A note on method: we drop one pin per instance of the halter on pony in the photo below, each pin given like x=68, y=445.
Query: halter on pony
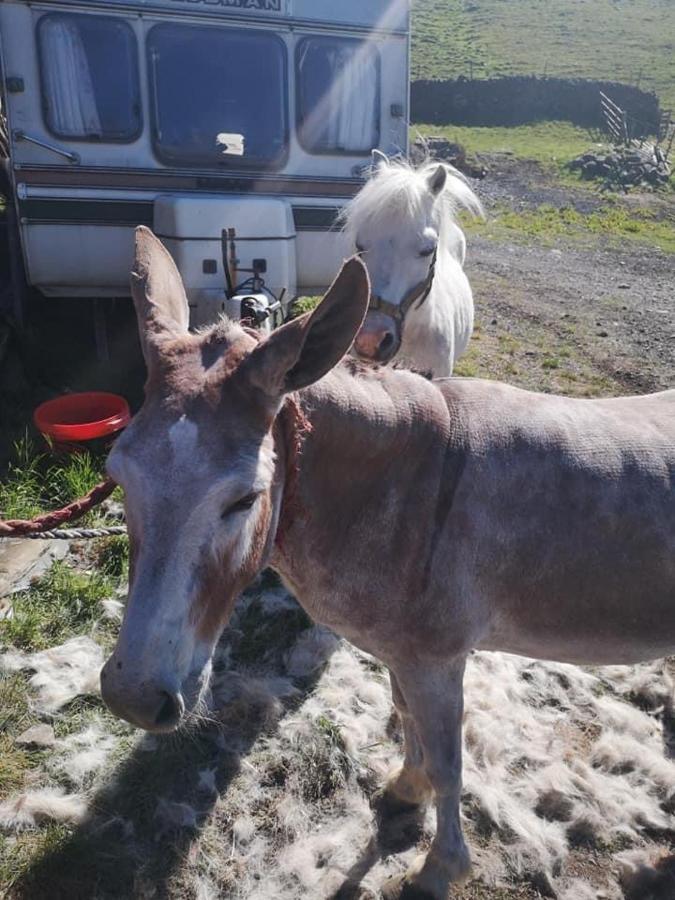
x=419, y=292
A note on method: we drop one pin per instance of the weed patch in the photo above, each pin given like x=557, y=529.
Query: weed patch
x=326, y=765
x=304, y=305
x=28, y=848
x=14, y=764
x=111, y=556
x=38, y=482
x=552, y=144
x=63, y=603
x=613, y=222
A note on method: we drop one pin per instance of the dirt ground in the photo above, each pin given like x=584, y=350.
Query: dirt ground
x=599, y=316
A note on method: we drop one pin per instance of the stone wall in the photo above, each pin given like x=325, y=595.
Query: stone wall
x=518, y=100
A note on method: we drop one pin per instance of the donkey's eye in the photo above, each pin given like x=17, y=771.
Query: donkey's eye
x=359, y=247
x=240, y=505
x=427, y=252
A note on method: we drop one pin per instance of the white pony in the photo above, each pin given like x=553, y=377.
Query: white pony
x=402, y=222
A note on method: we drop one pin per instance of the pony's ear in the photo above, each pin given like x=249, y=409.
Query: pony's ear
x=157, y=289
x=304, y=350
x=379, y=158
x=437, y=179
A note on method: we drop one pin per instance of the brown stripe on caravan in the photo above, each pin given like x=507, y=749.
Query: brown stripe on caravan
x=139, y=179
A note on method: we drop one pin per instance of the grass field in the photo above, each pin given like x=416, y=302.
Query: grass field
x=632, y=41
x=553, y=144
x=547, y=223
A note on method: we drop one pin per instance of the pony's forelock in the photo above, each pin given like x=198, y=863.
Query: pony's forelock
x=399, y=192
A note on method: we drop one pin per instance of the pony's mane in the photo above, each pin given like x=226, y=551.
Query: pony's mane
x=399, y=191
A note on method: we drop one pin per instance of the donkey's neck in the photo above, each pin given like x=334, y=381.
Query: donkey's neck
x=370, y=436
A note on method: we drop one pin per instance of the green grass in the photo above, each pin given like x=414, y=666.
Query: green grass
x=304, y=305
x=21, y=853
x=553, y=144
x=38, y=482
x=619, y=40
x=15, y=716
x=111, y=556
x=65, y=602
x=612, y=221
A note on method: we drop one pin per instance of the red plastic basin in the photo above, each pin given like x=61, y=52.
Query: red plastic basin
x=82, y=417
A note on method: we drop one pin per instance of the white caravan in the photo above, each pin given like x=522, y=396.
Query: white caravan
x=234, y=128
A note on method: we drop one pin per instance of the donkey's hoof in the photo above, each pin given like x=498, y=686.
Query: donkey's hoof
x=399, y=888
x=428, y=878
x=399, y=824
x=388, y=805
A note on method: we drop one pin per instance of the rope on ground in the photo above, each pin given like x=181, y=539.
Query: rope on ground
x=49, y=522
x=76, y=534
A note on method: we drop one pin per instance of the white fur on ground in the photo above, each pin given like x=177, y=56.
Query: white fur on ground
x=31, y=808
x=60, y=673
x=560, y=764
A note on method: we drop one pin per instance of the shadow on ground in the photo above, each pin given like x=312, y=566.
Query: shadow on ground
x=150, y=812
x=147, y=817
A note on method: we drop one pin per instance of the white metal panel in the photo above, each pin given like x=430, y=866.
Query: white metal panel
x=191, y=228
x=68, y=260
x=320, y=255
x=204, y=216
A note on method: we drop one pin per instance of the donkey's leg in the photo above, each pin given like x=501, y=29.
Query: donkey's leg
x=408, y=785
x=434, y=696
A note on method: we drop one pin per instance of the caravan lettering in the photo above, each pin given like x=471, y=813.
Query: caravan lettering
x=262, y=5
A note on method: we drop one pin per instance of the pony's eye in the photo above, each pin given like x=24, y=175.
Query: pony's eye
x=427, y=252
x=240, y=505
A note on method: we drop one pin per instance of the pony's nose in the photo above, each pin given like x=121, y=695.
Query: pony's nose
x=152, y=706
x=378, y=346
x=387, y=346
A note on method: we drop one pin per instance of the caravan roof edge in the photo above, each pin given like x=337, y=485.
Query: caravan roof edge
x=227, y=11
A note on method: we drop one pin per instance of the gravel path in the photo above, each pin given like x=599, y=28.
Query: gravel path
x=615, y=305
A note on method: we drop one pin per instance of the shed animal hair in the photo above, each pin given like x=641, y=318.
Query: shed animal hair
x=554, y=754
x=59, y=673
x=31, y=808
x=82, y=755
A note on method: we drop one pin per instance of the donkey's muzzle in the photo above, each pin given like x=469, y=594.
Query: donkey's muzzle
x=155, y=707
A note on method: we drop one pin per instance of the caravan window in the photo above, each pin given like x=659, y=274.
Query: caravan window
x=219, y=96
x=338, y=95
x=89, y=71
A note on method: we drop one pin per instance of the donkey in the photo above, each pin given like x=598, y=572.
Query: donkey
x=402, y=223
x=419, y=519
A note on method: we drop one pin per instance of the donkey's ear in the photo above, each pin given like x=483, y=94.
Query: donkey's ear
x=378, y=158
x=437, y=179
x=157, y=289
x=304, y=350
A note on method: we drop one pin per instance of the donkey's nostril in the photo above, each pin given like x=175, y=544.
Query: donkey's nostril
x=170, y=711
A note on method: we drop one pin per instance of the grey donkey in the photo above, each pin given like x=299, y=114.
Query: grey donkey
x=419, y=519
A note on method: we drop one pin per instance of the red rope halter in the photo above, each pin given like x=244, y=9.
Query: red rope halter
x=295, y=426
x=48, y=521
